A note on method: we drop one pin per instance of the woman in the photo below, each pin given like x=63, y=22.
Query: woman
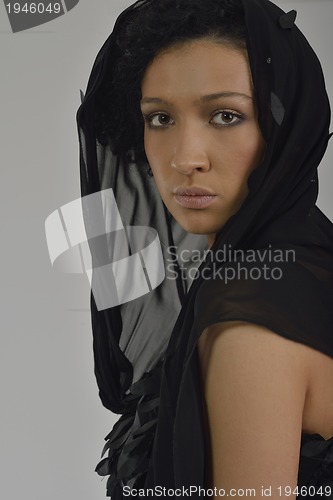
x=211, y=119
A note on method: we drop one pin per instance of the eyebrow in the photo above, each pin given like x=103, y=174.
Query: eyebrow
x=205, y=98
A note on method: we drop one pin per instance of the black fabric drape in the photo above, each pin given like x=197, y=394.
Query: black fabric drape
x=145, y=350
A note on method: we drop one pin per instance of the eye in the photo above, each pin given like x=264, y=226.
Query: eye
x=226, y=118
x=158, y=120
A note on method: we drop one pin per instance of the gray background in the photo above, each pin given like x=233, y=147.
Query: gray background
x=52, y=422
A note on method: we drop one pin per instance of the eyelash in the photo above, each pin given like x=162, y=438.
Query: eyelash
x=239, y=117
x=149, y=119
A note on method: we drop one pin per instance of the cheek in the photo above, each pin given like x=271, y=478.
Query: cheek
x=158, y=162
x=255, y=146
x=246, y=156
x=151, y=149
x=239, y=159
x=157, y=152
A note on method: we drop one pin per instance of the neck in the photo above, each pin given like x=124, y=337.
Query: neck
x=211, y=239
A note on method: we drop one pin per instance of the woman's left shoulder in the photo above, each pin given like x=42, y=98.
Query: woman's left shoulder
x=254, y=385
x=256, y=346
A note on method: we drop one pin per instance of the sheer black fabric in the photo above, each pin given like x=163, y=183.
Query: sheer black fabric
x=145, y=350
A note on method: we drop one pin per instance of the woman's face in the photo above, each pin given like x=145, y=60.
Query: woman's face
x=202, y=138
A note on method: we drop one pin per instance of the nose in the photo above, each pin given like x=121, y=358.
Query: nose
x=190, y=153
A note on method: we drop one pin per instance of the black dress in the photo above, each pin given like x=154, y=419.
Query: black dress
x=146, y=349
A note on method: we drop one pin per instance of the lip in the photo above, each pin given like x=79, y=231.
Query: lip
x=194, y=197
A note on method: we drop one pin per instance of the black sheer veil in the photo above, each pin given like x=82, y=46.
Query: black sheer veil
x=144, y=349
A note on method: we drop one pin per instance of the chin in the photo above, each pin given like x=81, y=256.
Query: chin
x=194, y=225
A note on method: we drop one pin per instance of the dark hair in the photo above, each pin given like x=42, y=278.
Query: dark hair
x=151, y=28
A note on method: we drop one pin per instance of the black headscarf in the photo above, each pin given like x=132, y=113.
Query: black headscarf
x=145, y=349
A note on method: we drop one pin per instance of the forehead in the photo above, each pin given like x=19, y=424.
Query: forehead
x=199, y=67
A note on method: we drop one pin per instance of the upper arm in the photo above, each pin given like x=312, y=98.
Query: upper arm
x=254, y=384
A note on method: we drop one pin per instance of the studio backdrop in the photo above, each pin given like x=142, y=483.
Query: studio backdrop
x=52, y=421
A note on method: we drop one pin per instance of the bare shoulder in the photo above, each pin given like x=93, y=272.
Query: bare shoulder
x=263, y=352
x=253, y=343
x=254, y=385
